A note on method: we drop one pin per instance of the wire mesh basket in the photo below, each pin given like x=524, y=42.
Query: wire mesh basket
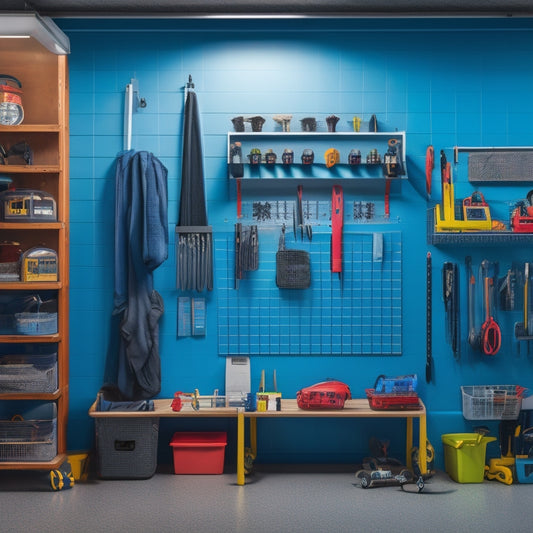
x=36, y=323
x=491, y=402
x=29, y=439
x=28, y=373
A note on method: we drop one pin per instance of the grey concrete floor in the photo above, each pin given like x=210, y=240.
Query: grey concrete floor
x=275, y=501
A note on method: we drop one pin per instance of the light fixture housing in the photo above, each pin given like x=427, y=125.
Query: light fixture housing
x=31, y=25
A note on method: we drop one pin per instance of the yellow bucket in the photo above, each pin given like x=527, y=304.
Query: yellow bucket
x=464, y=456
x=78, y=464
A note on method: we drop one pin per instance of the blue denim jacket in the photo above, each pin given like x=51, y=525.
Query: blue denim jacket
x=141, y=245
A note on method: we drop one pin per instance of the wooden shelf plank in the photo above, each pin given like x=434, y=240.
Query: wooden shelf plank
x=35, y=465
x=32, y=225
x=30, y=285
x=30, y=128
x=31, y=169
x=51, y=396
x=28, y=339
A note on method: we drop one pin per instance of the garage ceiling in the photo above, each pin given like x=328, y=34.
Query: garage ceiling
x=184, y=8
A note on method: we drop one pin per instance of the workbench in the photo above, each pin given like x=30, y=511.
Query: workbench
x=356, y=408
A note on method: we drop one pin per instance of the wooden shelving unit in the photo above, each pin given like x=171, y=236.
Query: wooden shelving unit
x=44, y=78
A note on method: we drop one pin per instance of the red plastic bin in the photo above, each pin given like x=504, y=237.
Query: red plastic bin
x=199, y=452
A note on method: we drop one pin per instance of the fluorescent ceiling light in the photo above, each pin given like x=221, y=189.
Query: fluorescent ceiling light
x=42, y=29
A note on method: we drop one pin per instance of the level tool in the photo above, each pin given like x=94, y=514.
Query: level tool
x=476, y=213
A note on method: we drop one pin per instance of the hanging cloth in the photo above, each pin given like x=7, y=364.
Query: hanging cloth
x=194, y=246
x=141, y=245
x=192, y=201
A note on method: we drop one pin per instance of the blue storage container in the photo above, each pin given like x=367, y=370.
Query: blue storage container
x=524, y=470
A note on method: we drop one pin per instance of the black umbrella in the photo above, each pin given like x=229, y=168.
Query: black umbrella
x=193, y=236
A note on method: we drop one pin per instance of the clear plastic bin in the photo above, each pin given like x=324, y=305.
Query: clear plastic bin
x=491, y=402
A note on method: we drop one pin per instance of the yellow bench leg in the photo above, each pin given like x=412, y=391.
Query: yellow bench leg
x=240, y=447
x=422, y=445
x=409, y=443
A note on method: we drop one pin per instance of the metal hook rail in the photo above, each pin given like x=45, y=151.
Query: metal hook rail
x=132, y=102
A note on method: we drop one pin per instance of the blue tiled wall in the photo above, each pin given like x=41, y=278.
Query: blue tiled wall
x=446, y=82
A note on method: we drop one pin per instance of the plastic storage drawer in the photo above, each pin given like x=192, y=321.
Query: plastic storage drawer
x=127, y=447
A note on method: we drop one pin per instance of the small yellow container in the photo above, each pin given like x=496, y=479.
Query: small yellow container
x=78, y=463
x=464, y=456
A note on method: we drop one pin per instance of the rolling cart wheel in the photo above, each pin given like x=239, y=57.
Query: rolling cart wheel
x=60, y=480
x=364, y=479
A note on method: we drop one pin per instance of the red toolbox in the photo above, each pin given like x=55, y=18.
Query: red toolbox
x=400, y=401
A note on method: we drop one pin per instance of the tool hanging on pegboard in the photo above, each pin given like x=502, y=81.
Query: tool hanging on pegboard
x=430, y=165
x=337, y=221
x=246, y=251
x=491, y=336
x=522, y=330
x=450, y=294
x=298, y=217
x=473, y=337
x=429, y=355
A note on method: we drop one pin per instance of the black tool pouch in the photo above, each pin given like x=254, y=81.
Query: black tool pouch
x=293, y=267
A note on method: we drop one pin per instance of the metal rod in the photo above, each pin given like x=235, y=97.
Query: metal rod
x=128, y=112
x=132, y=103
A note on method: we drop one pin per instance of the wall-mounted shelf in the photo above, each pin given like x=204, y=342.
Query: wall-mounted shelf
x=318, y=142
x=474, y=238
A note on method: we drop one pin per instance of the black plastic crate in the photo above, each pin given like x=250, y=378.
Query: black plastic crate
x=126, y=447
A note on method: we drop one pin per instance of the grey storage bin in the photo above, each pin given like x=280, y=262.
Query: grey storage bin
x=126, y=447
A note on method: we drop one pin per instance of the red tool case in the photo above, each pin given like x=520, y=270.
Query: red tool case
x=392, y=402
x=324, y=395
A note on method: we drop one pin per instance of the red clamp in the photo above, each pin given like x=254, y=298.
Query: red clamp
x=177, y=404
